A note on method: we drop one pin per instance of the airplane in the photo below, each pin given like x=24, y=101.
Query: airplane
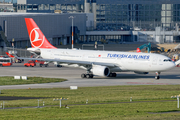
x=11, y=56
x=96, y=63
x=16, y=60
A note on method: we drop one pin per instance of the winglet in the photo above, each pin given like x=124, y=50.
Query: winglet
x=37, y=38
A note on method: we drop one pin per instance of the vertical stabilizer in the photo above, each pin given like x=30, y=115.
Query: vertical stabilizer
x=11, y=56
x=138, y=50
x=37, y=38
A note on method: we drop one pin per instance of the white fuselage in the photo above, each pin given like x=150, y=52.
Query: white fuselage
x=124, y=61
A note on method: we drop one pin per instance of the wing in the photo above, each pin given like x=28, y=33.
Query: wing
x=73, y=62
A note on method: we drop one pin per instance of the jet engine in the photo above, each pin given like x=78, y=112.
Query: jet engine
x=100, y=70
x=141, y=72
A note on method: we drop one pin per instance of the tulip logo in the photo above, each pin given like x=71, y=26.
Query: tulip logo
x=36, y=39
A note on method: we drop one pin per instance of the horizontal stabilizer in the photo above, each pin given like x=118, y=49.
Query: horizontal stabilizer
x=36, y=50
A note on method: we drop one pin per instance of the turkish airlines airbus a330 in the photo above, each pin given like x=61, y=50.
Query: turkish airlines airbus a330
x=100, y=63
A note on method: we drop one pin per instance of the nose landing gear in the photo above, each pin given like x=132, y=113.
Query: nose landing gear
x=157, y=75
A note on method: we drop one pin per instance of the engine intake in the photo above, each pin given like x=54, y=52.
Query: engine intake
x=100, y=70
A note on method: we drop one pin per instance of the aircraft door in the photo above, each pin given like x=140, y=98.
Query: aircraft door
x=52, y=54
x=154, y=62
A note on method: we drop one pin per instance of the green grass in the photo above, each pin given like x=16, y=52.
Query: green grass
x=30, y=80
x=112, y=109
x=135, y=111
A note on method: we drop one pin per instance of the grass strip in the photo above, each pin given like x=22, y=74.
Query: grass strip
x=136, y=110
x=30, y=80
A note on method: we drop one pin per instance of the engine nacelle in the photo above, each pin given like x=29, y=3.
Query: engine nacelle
x=141, y=72
x=100, y=70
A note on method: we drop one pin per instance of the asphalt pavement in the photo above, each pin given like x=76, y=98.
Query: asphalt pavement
x=73, y=75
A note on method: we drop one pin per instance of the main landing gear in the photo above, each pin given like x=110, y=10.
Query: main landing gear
x=157, y=75
x=86, y=75
x=89, y=75
x=112, y=75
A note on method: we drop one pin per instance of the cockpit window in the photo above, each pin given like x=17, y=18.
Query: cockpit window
x=166, y=60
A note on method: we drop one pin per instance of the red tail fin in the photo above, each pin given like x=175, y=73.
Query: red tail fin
x=11, y=56
x=138, y=50
x=37, y=38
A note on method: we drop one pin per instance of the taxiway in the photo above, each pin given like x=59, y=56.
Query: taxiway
x=73, y=75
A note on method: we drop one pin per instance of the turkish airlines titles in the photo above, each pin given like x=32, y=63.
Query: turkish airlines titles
x=145, y=57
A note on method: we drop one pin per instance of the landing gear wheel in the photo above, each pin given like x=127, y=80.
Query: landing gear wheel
x=112, y=75
x=83, y=75
x=91, y=75
x=40, y=65
x=59, y=65
x=88, y=76
x=157, y=77
x=46, y=65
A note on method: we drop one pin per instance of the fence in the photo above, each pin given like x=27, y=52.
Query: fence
x=18, y=52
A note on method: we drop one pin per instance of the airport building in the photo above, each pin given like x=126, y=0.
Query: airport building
x=56, y=27
x=114, y=14
x=115, y=21
x=119, y=20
